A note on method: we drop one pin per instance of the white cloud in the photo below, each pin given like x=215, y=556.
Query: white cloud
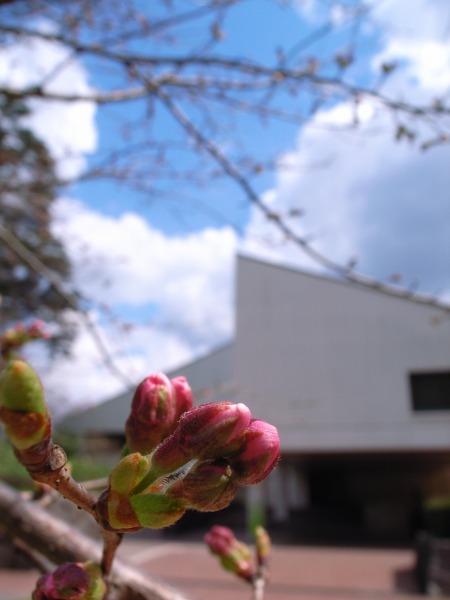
x=83, y=378
x=415, y=19
x=124, y=261
x=416, y=35
x=68, y=129
x=382, y=201
x=385, y=202
x=186, y=282
x=427, y=63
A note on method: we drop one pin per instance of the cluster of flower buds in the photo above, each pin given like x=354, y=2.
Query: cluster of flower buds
x=71, y=581
x=235, y=556
x=213, y=449
x=157, y=405
x=19, y=335
x=23, y=410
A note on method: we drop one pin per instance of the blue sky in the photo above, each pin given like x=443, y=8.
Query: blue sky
x=166, y=266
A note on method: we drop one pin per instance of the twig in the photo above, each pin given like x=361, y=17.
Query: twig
x=111, y=543
x=33, y=262
x=40, y=562
x=52, y=471
x=259, y=586
x=302, y=242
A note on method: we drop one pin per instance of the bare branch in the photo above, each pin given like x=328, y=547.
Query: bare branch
x=60, y=542
x=36, y=265
x=207, y=79
x=251, y=194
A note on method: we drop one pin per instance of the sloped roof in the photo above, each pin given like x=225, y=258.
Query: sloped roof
x=288, y=316
x=210, y=378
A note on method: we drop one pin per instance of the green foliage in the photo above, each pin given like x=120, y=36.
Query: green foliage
x=69, y=441
x=11, y=470
x=28, y=188
x=438, y=503
x=85, y=469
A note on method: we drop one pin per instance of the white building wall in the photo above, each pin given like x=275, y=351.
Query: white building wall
x=328, y=362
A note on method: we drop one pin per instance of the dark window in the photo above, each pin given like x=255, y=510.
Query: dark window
x=430, y=391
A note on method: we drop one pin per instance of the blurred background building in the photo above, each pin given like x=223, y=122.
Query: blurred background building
x=358, y=384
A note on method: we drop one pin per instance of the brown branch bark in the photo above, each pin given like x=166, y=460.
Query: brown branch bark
x=46, y=463
x=59, y=542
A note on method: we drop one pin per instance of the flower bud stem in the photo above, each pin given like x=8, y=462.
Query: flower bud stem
x=111, y=543
x=259, y=587
x=51, y=469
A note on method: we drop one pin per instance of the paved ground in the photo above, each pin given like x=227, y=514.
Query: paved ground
x=297, y=572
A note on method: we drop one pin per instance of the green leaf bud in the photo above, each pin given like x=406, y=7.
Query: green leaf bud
x=23, y=409
x=21, y=388
x=129, y=472
x=156, y=511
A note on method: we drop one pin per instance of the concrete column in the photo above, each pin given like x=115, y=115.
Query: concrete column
x=277, y=498
x=297, y=489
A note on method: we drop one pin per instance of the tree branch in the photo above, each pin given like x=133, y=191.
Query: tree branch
x=31, y=261
x=250, y=193
x=59, y=542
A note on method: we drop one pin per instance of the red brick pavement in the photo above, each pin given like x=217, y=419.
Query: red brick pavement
x=301, y=573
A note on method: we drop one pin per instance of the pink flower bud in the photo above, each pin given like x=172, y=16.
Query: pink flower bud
x=207, y=487
x=205, y=432
x=152, y=414
x=258, y=454
x=71, y=581
x=220, y=540
x=19, y=335
x=234, y=555
x=183, y=396
x=212, y=430
x=36, y=330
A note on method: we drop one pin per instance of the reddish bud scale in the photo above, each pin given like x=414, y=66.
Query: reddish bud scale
x=25, y=430
x=128, y=514
x=115, y=513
